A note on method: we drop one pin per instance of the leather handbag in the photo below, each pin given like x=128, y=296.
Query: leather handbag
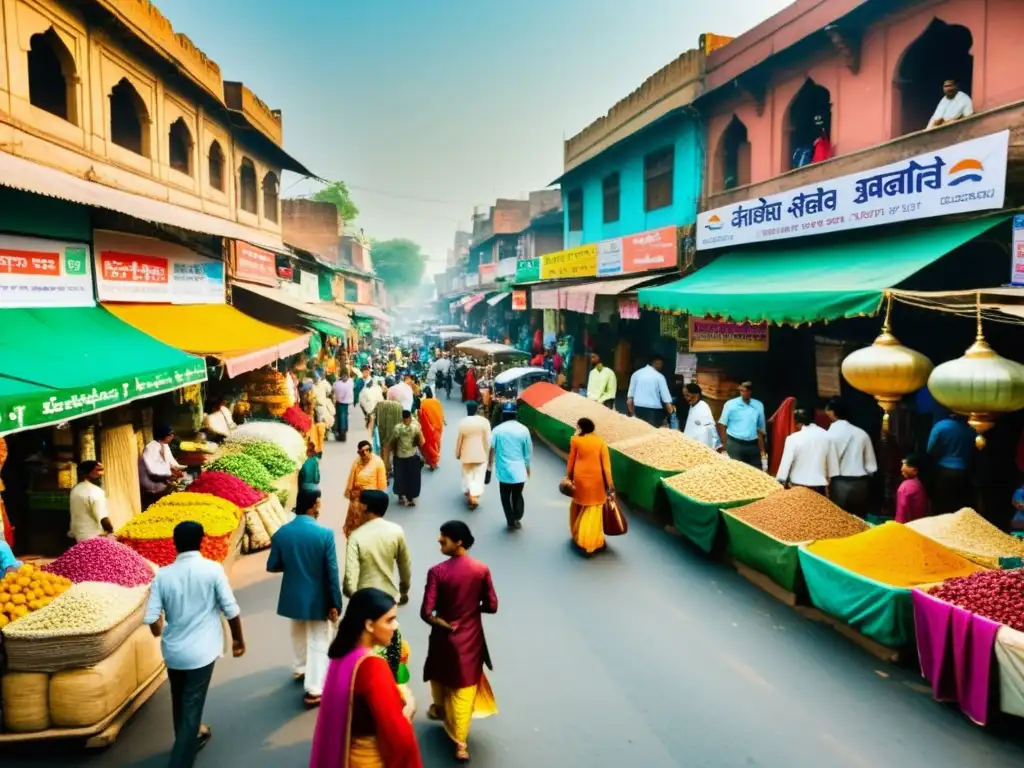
x=614, y=521
x=567, y=487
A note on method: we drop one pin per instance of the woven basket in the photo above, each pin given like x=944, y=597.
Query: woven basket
x=54, y=654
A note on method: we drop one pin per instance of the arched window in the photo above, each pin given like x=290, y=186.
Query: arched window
x=809, y=126
x=129, y=119
x=270, y=191
x=52, y=76
x=216, y=166
x=942, y=52
x=247, y=184
x=733, y=157
x=180, y=141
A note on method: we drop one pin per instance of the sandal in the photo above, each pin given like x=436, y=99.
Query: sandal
x=433, y=713
x=461, y=754
x=203, y=738
x=412, y=503
x=311, y=701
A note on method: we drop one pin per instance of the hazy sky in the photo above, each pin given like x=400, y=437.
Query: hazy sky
x=428, y=108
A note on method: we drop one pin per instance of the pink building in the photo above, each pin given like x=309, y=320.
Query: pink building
x=872, y=70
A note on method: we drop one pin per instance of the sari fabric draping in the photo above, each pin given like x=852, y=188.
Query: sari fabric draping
x=470, y=390
x=432, y=426
x=780, y=426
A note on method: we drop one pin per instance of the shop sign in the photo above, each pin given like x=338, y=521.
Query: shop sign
x=574, y=262
x=724, y=336
x=642, y=252
x=488, y=273
x=519, y=301
x=507, y=267
x=143, y=269
x=472, y=279
x=1017, y=260
x=44, y=273
x=528, y=270
x=965, y=177
x=309, y=286
x=629, y=308
x=255, y=265
x=609, y=257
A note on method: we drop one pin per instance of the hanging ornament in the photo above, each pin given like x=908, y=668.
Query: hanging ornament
x=886, y=370
x=981, y=385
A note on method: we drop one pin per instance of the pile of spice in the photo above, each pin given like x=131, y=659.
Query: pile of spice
x=799, y=515
x=540, y=394
x=102, y=559
x=996, y=595
x=227, y=487
x=896, y=555
x=969, y=534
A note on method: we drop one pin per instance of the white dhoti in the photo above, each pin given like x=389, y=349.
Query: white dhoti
x=310, y=642
x=473, y=476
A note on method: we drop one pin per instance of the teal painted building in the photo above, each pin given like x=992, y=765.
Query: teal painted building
x=650, y=179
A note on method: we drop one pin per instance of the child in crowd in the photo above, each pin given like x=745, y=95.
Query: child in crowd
x=911, y=497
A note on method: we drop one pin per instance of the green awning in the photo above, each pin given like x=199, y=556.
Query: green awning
x=325, y=327
x=59, y=364
x=810, y=281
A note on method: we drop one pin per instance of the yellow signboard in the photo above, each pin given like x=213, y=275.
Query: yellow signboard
x=723, y=336
x=575, y=262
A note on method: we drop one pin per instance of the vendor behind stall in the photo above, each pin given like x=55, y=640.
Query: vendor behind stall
x=157, y=466
x=217, y=423
x=88, y=504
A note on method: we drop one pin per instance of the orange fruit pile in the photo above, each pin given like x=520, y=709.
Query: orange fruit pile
x=28, y=589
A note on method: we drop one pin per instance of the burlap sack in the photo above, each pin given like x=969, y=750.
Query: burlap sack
x=83, y=697
x=26, y=701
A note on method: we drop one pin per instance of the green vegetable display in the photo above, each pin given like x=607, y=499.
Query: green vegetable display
x=272, y=457
x=247, y=468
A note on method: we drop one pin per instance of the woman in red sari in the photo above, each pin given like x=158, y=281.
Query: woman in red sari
x=470, y=390
x=432, y=426
x=363, y=722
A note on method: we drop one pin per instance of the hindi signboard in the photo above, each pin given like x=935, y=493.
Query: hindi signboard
x=44, y=273
x=965, y=177
x=574, y=262
x=723, y=336
x=255, y=265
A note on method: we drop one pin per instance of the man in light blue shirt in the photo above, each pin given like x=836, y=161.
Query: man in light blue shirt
x=186, y=602
x=511, y=451
x=741, y=428
x=951, y=449
x=648, y=397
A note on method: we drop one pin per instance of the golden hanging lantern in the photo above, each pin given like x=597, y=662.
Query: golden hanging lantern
x=886, y=370
x=981, y=385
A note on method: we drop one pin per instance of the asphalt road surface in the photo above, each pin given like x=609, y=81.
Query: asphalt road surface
x=647, y=656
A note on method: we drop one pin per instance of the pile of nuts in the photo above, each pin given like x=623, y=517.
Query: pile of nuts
x=612, y=426
x=668, y=450
x=799, y=515
x=969, y=533
x=85, y=609
x=724, y=481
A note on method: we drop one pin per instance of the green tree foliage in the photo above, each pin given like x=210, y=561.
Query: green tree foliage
x=399, y=263
x=338, y=194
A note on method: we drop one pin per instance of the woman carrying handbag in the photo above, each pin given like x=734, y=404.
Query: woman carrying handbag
x=593, y=512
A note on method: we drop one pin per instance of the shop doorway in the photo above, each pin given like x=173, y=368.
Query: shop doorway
x=941, y=53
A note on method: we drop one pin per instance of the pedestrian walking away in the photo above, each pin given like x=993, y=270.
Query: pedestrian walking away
x=369, y=395
x=186, y=601
x=367, y=473
x=386, y=416
x=458, y=592
x=741, y=428
x=406, y=442
x=511, y=452
x=851, y=489
x=472, y=449
x=589, y=472
x=344, y=397
x=648, y=398
x=432, y=425
x=372, y=554
x=303, y=551
x=309, y=472
x=364, y=722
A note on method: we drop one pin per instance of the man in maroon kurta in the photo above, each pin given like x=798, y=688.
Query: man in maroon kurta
x=459, y=591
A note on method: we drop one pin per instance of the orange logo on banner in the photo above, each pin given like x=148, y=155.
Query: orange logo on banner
x=29, y=263
x=133, y=268
x=657, y=249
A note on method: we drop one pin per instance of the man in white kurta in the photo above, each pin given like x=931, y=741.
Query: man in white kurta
x=700, y=422
x=954, y=105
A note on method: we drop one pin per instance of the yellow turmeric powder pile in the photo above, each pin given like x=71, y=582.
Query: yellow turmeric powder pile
x=894, y=554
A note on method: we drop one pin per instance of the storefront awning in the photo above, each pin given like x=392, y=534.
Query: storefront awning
x=582, y=298
x=241, y=342
x=546, y=298
x=370, y=311
x=496, y=300
x=330, y=313
x=471, y=301
x=58, y=364
x=329, y=328
x=809, y=282
x=19, y=173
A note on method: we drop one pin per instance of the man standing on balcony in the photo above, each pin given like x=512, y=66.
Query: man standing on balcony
x=954, y=105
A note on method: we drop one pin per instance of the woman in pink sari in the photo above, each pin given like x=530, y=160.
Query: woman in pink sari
x=363, y=722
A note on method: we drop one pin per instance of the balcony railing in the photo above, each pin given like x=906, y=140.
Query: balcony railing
x=1010, y=116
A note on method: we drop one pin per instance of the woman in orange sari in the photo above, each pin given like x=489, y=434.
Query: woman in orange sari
x=367, y=474
x=432, y=426
x=590, y=470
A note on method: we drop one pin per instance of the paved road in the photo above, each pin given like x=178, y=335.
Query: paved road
x=645, y=656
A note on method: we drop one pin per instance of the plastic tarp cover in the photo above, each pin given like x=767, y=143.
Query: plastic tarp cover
x=778, y=560
x=810, y=280
x=1010, y=655
x=883, y=613
x=698, y=521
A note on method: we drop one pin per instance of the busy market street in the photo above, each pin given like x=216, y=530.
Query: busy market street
x=649, y=654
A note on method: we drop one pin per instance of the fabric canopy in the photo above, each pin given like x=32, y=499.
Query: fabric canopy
x=331, y=313
x=809, y=282
x=329, y=328
x=370, y=311
x=214, y=330
x=496, y=300
x=472, y=301
x=583, y=298
x=58, y=364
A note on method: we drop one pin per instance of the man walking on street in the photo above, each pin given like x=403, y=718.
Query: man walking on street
x=344, y=397
x=511, y=451
x=405, y=443
x=304, y=552
x=601, y=384
x=648, y=397
x=741, y=428
x=186, y=601
x=472, y=450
